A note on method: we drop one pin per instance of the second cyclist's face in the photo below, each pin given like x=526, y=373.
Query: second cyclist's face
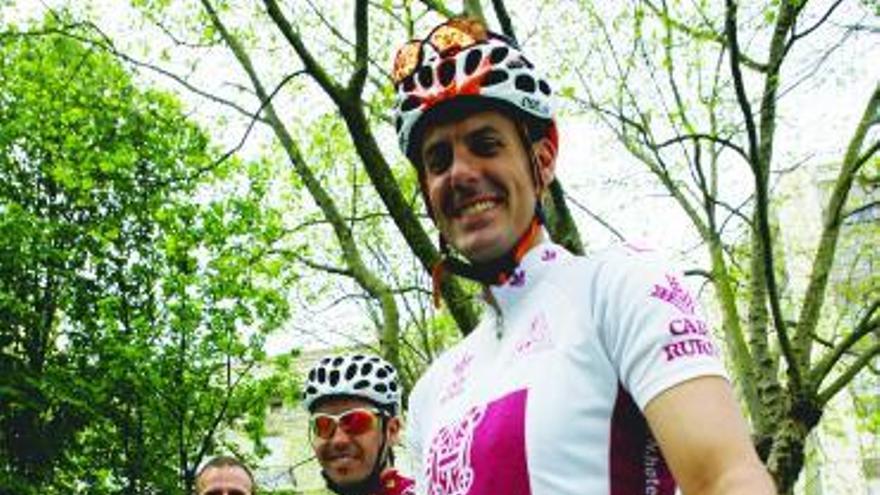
x=478, y=181
x=348, y=458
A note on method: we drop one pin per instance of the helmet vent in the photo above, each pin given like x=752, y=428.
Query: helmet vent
x=525, y=83
x=446, y=72
x=351, y=371
x=410, y=103
x=498, y=54
x=426, y=76
x=544, y=87
x=409, y=83
x=472, y=61
x=494, y=77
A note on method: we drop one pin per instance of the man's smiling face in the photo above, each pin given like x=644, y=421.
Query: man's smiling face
x=349, y=458
x=478, y=181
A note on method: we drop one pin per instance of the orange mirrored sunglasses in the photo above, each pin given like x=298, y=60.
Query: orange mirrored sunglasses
x=352, y=422
x=447, y=39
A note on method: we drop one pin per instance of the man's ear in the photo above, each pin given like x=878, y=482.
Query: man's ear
x=545, y=152
x=393, y=430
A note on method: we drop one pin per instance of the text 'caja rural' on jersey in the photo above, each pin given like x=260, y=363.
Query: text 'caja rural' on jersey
x=545, y=396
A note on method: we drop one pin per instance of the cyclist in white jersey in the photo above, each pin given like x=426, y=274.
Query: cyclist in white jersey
x=585, y=375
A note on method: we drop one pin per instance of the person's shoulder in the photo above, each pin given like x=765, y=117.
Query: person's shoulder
x=615, y=270
x=626, y=259
x=448, y=360
x=613, y=258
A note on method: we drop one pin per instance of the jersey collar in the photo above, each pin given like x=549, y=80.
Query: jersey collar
x=537, y=262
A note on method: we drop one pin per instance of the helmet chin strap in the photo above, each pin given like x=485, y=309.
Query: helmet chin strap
x=496, y=271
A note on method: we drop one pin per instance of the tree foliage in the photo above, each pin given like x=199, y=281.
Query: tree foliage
x=127, y=278
x=697, y=94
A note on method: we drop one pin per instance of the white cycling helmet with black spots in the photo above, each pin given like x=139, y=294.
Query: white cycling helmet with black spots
x=355, y=375
x=462, y=59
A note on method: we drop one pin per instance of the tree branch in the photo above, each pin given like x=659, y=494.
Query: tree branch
x=759, y=167
x=174, y=38
x=312, y=66
x=846, y=377
x=322, y=267
x=865, y=207
x=706, y=137
x=824, y=257
x=351, y=109
x=504, y=18
x=108, y=46
x=806, y=32
x=338, y=34
x=709, y=34
x=596, y=217
x=439, y=7
x=218, y=418
x=739, y=85
x=866, y=325
x=359, y=77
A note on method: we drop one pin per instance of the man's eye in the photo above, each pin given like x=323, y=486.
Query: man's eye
x=438, y=159
x=485, y=146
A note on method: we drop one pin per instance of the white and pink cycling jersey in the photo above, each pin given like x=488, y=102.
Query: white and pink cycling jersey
x=546, y=398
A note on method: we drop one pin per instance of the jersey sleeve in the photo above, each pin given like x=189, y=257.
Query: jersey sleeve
x=654, y=332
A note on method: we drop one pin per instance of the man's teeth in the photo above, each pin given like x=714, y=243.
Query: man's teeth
x=478, y=207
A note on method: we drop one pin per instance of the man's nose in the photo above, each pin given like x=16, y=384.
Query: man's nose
x=339, y=436
x=462, y=170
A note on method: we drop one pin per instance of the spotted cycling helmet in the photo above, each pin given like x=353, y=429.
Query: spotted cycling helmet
x=358, y=376
x=461, y=58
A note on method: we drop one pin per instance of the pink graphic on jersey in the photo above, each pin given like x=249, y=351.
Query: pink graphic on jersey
x=537, y=339
x=449, y=470
x=548, y=255
x=483, y=453
x=456, y=384
x=688, y=348
x=675, y=294
x=518, y=279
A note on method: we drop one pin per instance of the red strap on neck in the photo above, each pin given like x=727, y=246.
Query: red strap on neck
x=522, y=247
x=437, y=272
